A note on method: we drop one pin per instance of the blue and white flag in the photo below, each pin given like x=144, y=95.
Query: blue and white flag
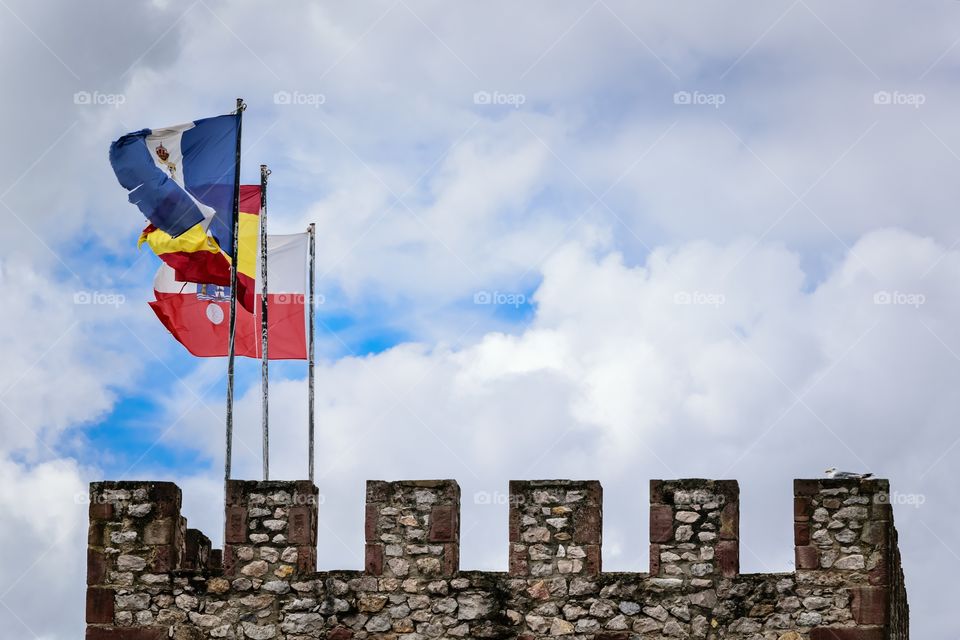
x=182, y=176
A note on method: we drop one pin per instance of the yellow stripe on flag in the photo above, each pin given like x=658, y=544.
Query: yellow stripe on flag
x=192, y=240
x=249, y=239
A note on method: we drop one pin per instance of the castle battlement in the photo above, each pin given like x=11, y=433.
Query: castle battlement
x=150, y=577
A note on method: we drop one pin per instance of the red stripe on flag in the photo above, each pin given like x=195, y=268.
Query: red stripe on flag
x=250, y=199
x=247, y=294
x=211, y=268
x=202, y=267
x=286, y=326
x=202, y=326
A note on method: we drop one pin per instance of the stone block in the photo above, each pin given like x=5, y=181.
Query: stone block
x=730, y=521
x=236, y=525
x=301, y=528
x=802, y=508
x=807, y=557
x=117, y=633
x=806, y=487
x=97, y=566
x=869, y=605
x=728, y=558
x=592, y=562
x=654, y=559
x=661, y=523
x=373, y=562
x=100, y=605
x=306, y=559
x=370, y=521
x=100, y=510
x=518, y=566
x=159, y=532
x=197, y=555
x=443, y=524
x=588, y=526
x=847, y=633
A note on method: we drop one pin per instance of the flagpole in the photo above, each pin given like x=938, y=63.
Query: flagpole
x=233, y=294
x=312, y=230
x=264, y=366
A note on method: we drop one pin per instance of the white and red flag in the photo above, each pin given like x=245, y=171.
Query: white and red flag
x=198, y=316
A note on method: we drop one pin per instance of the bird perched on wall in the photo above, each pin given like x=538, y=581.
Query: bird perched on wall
x=833, y=473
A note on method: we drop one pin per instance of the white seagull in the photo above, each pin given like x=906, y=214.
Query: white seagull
x=833, y=473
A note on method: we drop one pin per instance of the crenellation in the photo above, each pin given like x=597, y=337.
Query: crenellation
x=413, y=529
x=136, y=543
x=843, y=525
x=694, y=530
x=555, y=527
x=270, y=530
x=197, y=551
x=152, y=577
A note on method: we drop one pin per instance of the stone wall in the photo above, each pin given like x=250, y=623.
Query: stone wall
x=151, y=577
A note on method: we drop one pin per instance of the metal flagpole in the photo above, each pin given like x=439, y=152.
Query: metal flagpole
x=233, y=294
x=264, y=366
x=312, y=230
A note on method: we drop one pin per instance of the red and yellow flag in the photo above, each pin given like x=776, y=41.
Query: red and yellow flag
x=197, y=315
x=196, y=257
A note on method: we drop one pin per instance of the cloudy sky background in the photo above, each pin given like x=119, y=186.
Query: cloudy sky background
x=757, y=284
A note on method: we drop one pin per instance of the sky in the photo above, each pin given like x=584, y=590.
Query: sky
x=596, y=240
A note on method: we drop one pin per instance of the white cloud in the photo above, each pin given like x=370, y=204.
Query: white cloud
x=498, y=187
x=61, y=367
x=42, y=548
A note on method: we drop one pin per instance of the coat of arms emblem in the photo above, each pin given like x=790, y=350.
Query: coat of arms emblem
x=215, y=292
x=164, y=157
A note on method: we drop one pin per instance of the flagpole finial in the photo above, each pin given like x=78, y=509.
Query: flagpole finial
x=264, y=171
x=241, y=105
